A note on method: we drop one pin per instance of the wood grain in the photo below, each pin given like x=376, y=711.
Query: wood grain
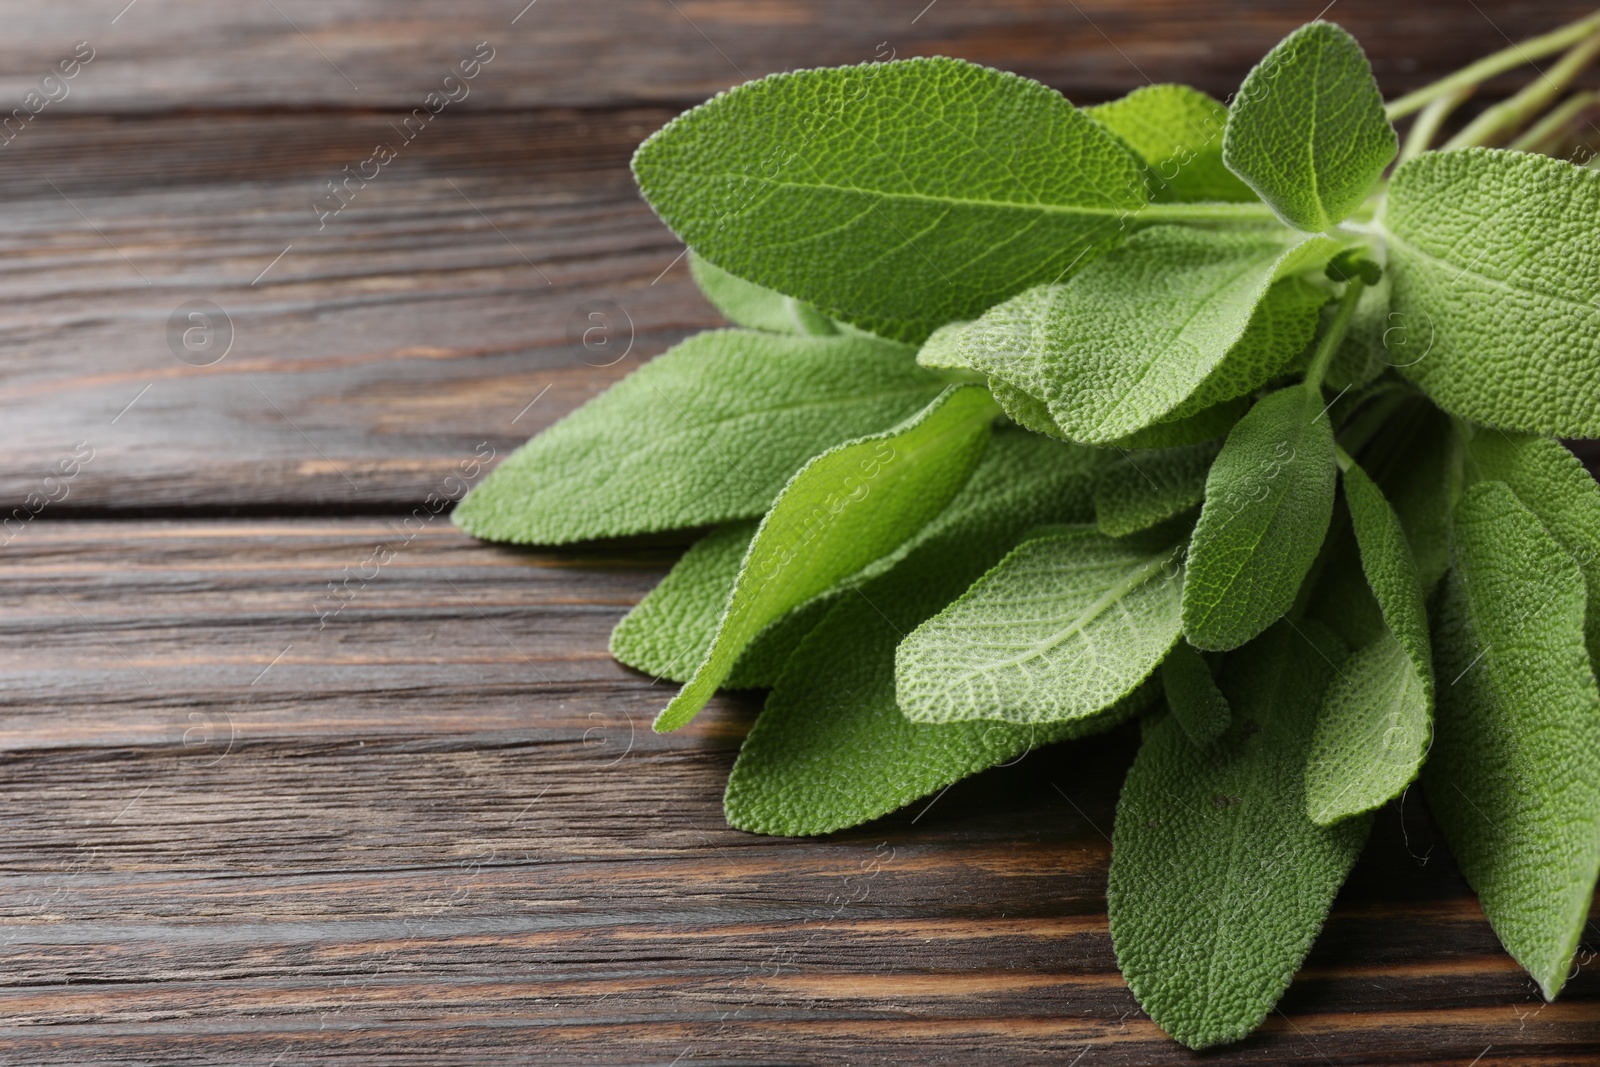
x=439, y=827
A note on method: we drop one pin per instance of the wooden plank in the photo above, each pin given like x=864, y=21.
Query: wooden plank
x=439, y=828
x=185, y=54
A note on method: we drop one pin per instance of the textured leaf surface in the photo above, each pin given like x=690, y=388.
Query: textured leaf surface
x=1173, y=321
x=747, y=304
x=1219, y=881
x=831, y=749
x=1375, y=724
x=1307, y=130
x=896, y=196
x=1193, y=696
x=1142, y=489
x=844, y=509
x=1269, y=497
x=1514, y=778
x=1421, y=476
x=1553, y=484
x=1177, y=131
x=668, y=632
x=1066, y=625
x=707, y=432
x=1494, y=254
x=1207, y=424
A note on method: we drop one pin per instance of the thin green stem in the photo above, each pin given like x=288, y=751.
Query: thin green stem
x=1490, y=66
x=1504, y=119
x=1334, y=335
x=1342, y=458
x=1563, y=125
x=1427, y=124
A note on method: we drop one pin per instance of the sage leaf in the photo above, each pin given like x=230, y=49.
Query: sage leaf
x=1268, y=500
x=1492, y=253
x=1219, y=882
x=822, y=529
x=1066, y=625
x=1173, y=321
x=1553, y=484
x=1375, y=724
x=1196, y=702
x=1145, y=488
x=1207, y=424
x=1307, y=130
x=876, y=192
x=831, y=748
x=1177, y=131
x=747, y=304
x=1419, y=470
x=1514, y=778
x=668, y=632
x=705, y=433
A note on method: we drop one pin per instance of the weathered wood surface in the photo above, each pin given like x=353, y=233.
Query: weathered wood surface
x=440, y=826
x=435, y=825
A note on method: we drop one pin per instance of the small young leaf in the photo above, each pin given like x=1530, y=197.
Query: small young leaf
x=668, y=632
x=1514, y=778
x=707, y=432
x=831, y=749
x=1193, y=696
x=1307, y=131
x=1219, y=882
x=747, y=304
x=822, y=528
x=874, y=192
x=1177, y=131
x=1493, y=255
x=1145, y=488
x=1554, y=485
x=1269, y=497
x=1066, y=625
x=1375, y=724
x=1173, y=321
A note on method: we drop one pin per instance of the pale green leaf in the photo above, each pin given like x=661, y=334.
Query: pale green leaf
x=1514, y=778
x=707, y=432
x=1193, y=696
x=1554, y=485
x=844, y=509
x=1493, y=254
x=1023, y=408
x=1269, y=497
x=668, y=632
x=1374, y=728
x=1307, y=130
x=1177, y=131
x=1172, y=322
x=831, y=749
x=896, y=196
x=1219, y=881
x=1066, y=625
x=1142, y=489
x=1207, y=424
x=747, y=304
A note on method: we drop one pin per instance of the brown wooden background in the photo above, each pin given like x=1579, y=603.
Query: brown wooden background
x=438, y=828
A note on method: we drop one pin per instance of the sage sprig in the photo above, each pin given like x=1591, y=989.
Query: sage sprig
x=1037, y=418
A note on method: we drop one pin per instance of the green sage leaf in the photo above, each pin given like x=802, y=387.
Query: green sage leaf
x=1219, y=882
x=1307, y=130
x=1177, y=131
x=822, y=529
x=1269, y=497
x=1193, y=696
x=705, y=433
x=748, y=304
x=1514, y=778
x=1145, y=488
x=1375, y=725
x=1492, y=253
x=1066, y=625
x=874, y=192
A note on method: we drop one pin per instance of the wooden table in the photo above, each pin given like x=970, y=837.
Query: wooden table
x=435, y=826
